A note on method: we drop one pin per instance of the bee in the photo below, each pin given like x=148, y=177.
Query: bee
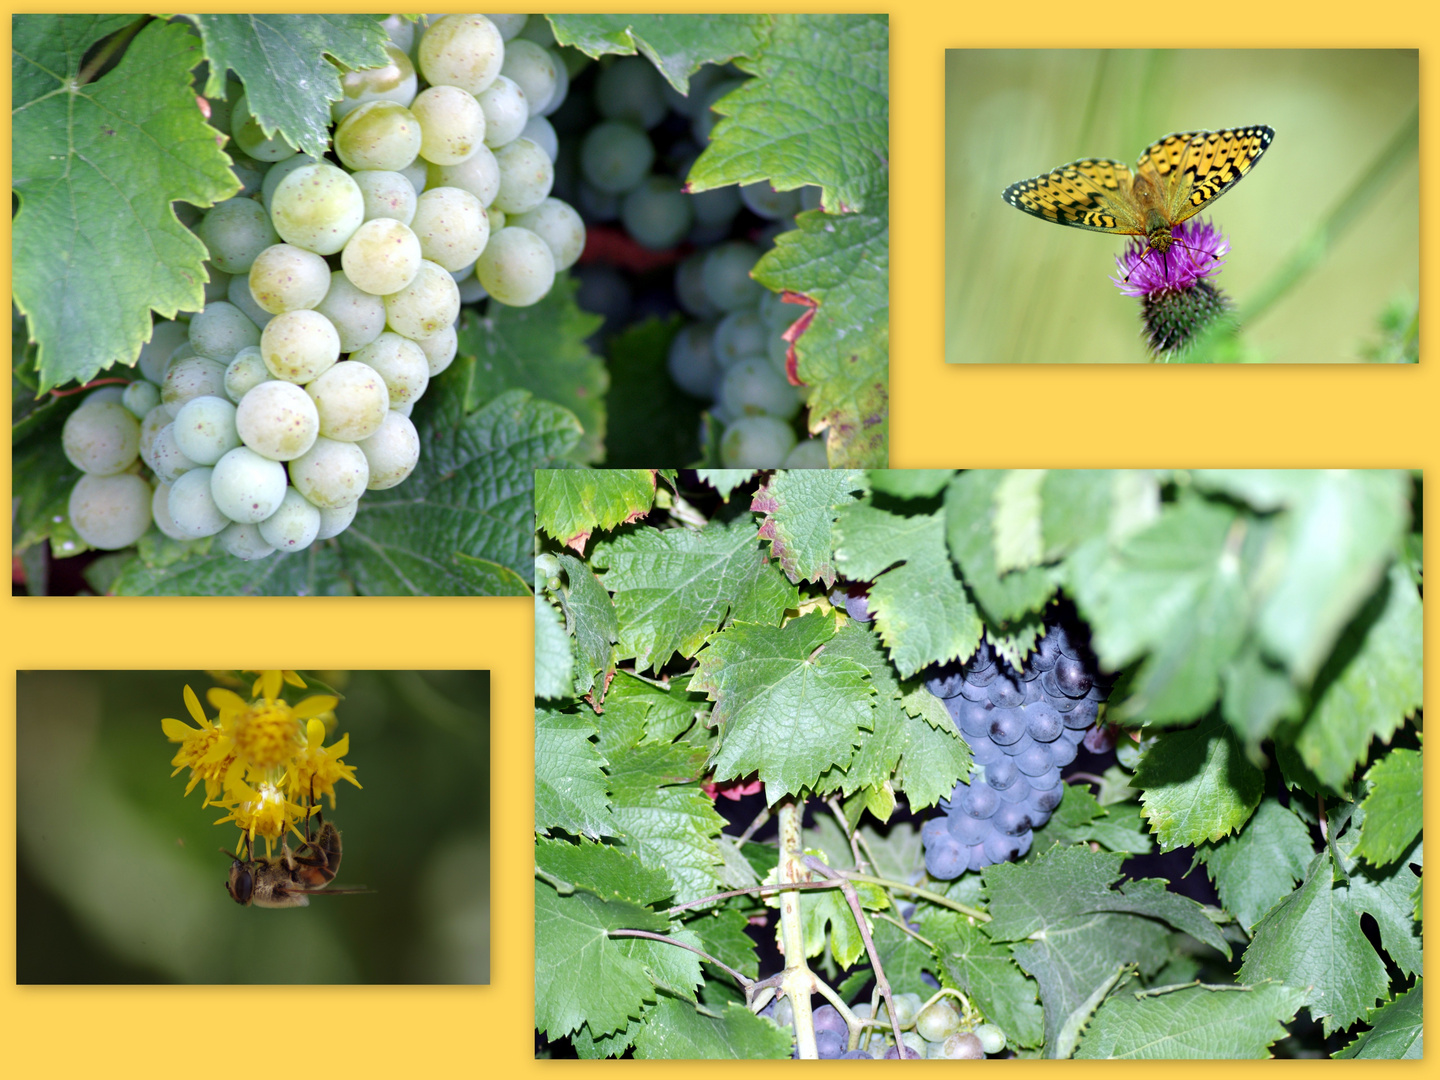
x=291, y=878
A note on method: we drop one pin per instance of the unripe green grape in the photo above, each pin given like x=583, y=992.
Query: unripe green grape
x=205, y=429
x=394, y=81
x=331, y=473
x=516, y=267
x=427, y=305
x=462, y=50
x=616, y=156
x=739, y=334
x=287, y=278
x=244, y=541
x=192, y=507
x=440, y=349
x=452, y=124
x=294, y=525
x=756, y=442
x=726, y=275
x=961, y=1047
x=382, y=257
x=478, y=174
x=245, y=372
x=351, y=400
x=240, y=296
x=992, y=1038
x=415, y=173
x=234, y=232
x=753, y=387
x=221, y=331
x=247, y=487
x=154, y=420
x=277, y=420
x=497, y=219
x=110, y=512
x=559, y=226
x=299, y=345
x=140, y=397
x=562, y=89
x=526, y=176
x=318, y=207
x=401, y=31
x=764, y=201
x=690, y=288
x=392, y=452
x=510, y=26
x=335, y=520
x=387, y=194
x=907, y=1006
x=191, y=378
x=358, y=316
x=691, y=361
x=534, y=69
x=451, y=226
x=715, y=209
x=631, y=89
x=104, y=395
x=810, y=454
x=542, y=133
x=248, y=136
x=165, y=338
x=506, y=111
x=279, y=171
x=400, y=363
x=167, y=460
x=380, y=135
x=103, y=439
x=657, y=214
x=938, y=1020
x=160, y=512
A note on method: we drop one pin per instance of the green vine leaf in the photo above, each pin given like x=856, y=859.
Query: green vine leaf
x=676, y=44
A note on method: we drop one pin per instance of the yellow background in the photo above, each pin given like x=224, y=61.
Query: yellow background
x=942, y=416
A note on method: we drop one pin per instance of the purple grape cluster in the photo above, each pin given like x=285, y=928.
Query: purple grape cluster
x=1023, y=727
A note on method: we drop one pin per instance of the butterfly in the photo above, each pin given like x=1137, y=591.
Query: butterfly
x=1174, y=179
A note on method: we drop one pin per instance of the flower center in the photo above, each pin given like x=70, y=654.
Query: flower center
x=267, y=733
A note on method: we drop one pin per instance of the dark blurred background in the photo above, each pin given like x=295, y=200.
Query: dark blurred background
x=119, y=876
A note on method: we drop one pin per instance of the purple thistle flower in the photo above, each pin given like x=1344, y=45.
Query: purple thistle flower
x=1198, y=252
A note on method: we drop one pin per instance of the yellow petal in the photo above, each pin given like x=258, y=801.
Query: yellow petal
x=272, y=680
x=294, y=679
x=193, y=704
x=225, y=699
x=314, y=706
x=175, y=730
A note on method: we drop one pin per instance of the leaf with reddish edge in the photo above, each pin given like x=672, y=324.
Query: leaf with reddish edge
x=800, y=507
x=793, y=332
x=570, y=504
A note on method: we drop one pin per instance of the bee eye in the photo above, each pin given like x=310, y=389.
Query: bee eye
x=242, y=884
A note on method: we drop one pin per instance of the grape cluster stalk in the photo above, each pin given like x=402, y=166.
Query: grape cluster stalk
x=1023, y=726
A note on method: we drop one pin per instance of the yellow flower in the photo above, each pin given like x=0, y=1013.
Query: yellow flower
x=317, y=767
x=266, y=812
x=207, y=751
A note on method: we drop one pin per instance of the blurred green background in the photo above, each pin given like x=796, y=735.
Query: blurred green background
x=1324, y=230
x=120, y=879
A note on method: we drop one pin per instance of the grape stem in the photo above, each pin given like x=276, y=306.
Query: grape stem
x=91, y=385
x=798, y=981
x=741, y=979
x=853, y=835
x=114, y=45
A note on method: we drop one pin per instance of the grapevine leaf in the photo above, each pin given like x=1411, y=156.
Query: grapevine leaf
x=662, y=714
x=1392, y=807
x=672, y=969
x=1396, y=1029
x=648, y=417
x=987, y=973
x=969, y=530
x=904, y=958
x=541, y=348
x=910, y=483
x=787, y=707
x=554, y=656
x=1173, y=590
x=1197, y=784
x=582, y=976
x=841, y=265
x=606, y=871
x=569, y=777
x=721, y=932
x=1370, y=686
x=590, y=1048
x=1078, y=505
x=1344, y=527
x=828, y=923
x=281, y=59
x=725, y=480
x=800, y=508
x=674, y=588
x=675, y=1031
x=589, y=608
x=1081, y=819
x=676, y=44
x=661, y=814
x=1256, y=868
x=1193, y=1022
x=211, y=571
x=1313, y=939
x=1258, y=695
x=920, y=607
x=569, y=505
x=95, y=243
x=818, y=112
x=1018, y=543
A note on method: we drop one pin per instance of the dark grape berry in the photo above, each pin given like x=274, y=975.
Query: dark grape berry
x=973, y=718
x=974, y=691
x=967, y=830
x=1012, y=820
x=1004, y=694
x=858, y=608
x=1082, y=714
x=1048, y=651
x=1006, y=726
x=1035, y=761
x=980, y=801
x=983, y=678
x=855, y=1055
x=1002, y=774
x=1045, y=724
x=1000, y=848
x=935, y=825
x=1062, y=751
x=1020, y=745
x=946, y=686
x=1100, y=740
x=946, y=858
x=1072, y=678
x=829, y=1046
x=984, y=751
x=1017, y=792
x=1047, y=801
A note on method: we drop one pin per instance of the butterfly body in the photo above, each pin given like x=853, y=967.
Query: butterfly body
x=1174, y=180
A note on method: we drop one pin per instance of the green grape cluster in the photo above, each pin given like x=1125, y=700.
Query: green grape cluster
x=945, y=1027
x=334, y=291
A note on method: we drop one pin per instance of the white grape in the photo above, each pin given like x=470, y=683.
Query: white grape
x=534, y=69
x=249, y=137
x=193, y=377
x=387, y=194
x=165, y=338
x=192, y=507
x=462, y=50
x=318, y=207
x=234, y=232
x=110, y=512
x=247, y=487
x=756, y=442
x=506, y=112
x=394, y=81
x=351, y=400
x=277, y=420
x=358, y=316
x=336, y=519
x=287, y=278
x=402, y=365
x=240, y=295
x=752, y=386
x=221, y=331
x=299, y=345
x=245, y=372
x=205, y=429
x=427, y=305
x=452, y=124
x=244, y=541
x=740, y=333
x=279, y=171
x=392, y=452
x=382, y=257
x=440, y=349
x=140, y=397
x=526, y=176
x=294, y=525
x=451, y=226
x=331, y=473
x=562, y=229
x=103, y=439
x=516, y=267
x=510, y=26
x=160, y=512
x=810, y=454
x=542, y=133
x=616, y=156
x=478, y=174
